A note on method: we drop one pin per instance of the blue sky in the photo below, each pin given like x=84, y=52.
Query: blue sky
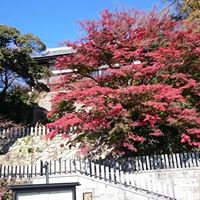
x=56, y=20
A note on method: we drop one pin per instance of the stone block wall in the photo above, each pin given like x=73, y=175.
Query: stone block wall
x=30, y=149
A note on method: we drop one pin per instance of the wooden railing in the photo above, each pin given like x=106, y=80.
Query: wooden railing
x=56, y=79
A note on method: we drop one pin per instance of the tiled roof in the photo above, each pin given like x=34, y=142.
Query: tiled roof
x=53, y=52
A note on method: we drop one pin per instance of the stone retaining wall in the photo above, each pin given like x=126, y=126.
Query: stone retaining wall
x=30, y=149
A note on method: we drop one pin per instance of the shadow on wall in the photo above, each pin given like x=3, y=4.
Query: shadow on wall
x=14, y=119
x=39, y=115
x=5, y=144
x=23, y=114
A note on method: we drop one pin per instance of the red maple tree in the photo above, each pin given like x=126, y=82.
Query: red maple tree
x=133, y=88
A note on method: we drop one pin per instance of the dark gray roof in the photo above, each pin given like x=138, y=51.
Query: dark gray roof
x=43, y=186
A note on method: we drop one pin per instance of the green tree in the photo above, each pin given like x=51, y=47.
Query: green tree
x=16, y=64
x=18, y=107
x=187, y=9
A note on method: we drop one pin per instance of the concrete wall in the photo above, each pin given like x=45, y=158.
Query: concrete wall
x=100, y=190
x=183, y=184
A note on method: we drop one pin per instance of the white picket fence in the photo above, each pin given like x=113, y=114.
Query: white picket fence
x=18, y=132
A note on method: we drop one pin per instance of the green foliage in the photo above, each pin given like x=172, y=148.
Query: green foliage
x=66, y=107
x=19, y=74
x=5, y=193
x=18, y=105
x=16, y=64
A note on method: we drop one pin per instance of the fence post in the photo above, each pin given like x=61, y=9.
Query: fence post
x=36, y=130
x=1, y=170
x=46, y=166
x=41, y=167
x=32, y=132
x=39, y=131
x=43, y=130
